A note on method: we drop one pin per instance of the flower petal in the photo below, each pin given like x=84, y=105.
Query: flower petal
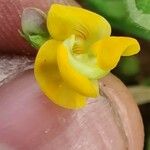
x=48, y=77
x=73, y=77
x=63, y=21
x=109, y=50
x=49, y=49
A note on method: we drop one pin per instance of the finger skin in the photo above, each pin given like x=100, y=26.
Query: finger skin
x=124, y=103
x=28, y=120
x=10, y=23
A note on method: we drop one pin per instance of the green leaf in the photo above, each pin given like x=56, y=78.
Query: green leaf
x=146, y=81
x=130, y=16
x=129, y=66
x=143, y=5
x=137, y=16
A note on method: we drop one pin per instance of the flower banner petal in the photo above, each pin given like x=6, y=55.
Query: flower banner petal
x=63, y=21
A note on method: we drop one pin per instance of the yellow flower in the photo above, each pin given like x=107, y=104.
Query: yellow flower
x=79, y=53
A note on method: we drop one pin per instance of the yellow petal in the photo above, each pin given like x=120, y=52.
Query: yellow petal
x=72, y=77
x=49, y=48
x=63, y=21
x=48, y=77
x=109, y=50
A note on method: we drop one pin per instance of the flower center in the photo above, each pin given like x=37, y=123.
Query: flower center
x=81, y=60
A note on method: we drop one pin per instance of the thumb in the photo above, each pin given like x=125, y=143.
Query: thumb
x=29, y=121
x=10, y=23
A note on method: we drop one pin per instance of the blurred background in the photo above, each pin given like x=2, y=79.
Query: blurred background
x=131, y=18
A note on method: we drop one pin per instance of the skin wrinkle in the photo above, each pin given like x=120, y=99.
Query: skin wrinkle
x=121, y=122
x=101, y=132
x=5, y=147
x=11, y=8
x=116, y=115
x=82, y=122
x=105, y=138
x=10, y=20
x=11, y=66
x=118, y=119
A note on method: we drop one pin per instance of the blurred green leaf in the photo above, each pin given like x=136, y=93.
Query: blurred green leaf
x=146, y=82
x=129, y=66
x=143, y=5
x=138, y=16
x=147, y=146
x=130, y=16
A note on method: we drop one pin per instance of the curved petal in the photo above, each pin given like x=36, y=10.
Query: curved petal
x=109, y=50
x=63, y=21
x=48, y=49
x=72, y=77
x=48, y=77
